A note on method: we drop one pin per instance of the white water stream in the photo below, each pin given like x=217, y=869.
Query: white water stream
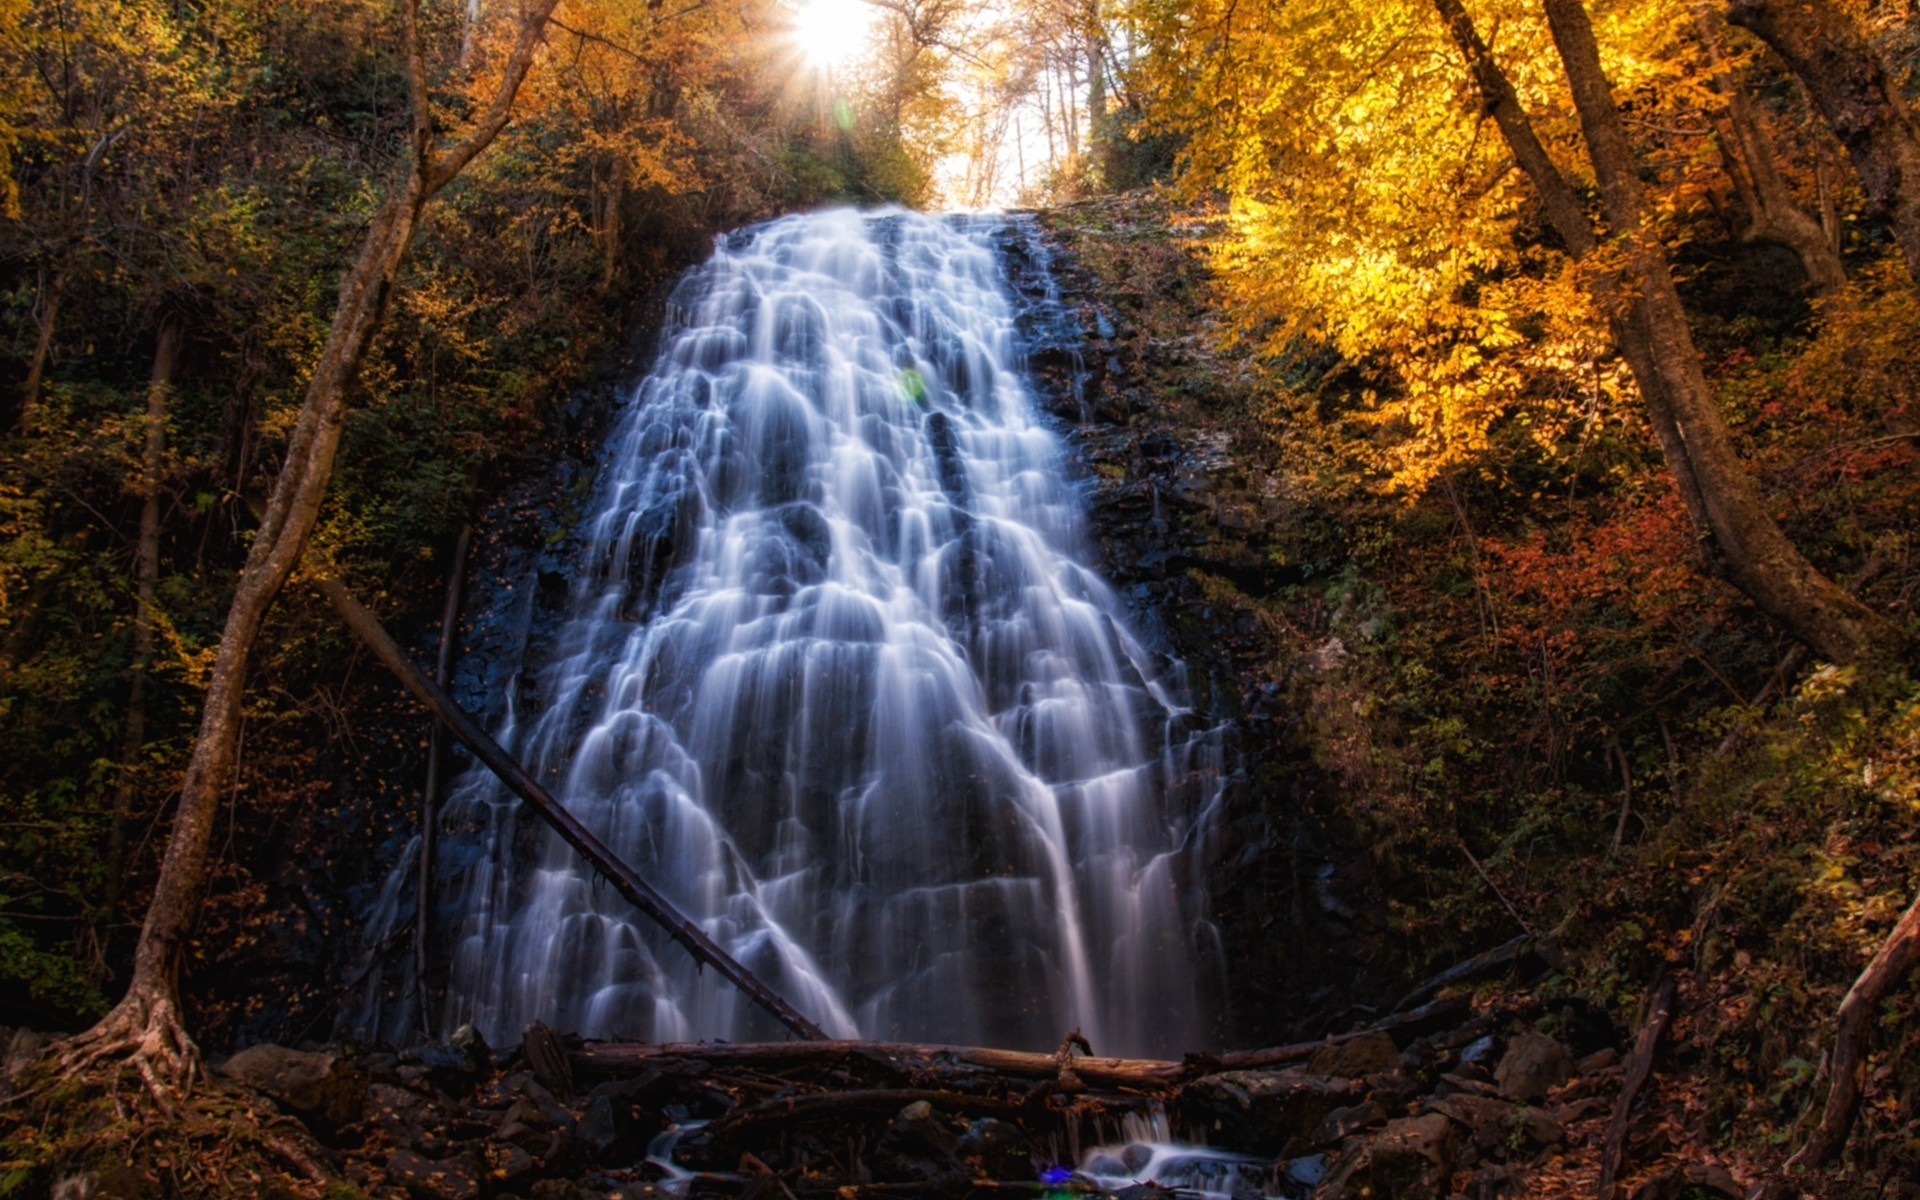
x=838, y=681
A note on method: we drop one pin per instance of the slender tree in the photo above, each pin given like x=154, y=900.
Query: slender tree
x=146, y=577
x=146, y=1026
x=1825, y=46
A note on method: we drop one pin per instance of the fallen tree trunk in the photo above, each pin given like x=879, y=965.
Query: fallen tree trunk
x=635, y=890
x=622, y=1059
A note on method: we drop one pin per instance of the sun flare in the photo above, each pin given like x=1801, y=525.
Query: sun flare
x=831, y=33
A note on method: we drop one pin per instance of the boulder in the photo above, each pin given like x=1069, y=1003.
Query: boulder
x=996, y=1149
x=1533, y=1065
x=1343, y=1123
x=1357, y=1058
x=1260, y=1112
x=1411, y=1159
x=316, y=1085
x=1500, y=1128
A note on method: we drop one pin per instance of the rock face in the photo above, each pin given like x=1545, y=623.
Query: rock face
x=1184, y=516
x=319, y=1086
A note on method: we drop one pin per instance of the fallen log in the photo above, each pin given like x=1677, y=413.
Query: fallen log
x=635, y=890
x=619, y=1059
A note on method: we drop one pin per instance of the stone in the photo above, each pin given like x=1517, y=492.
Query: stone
x=996, y=1150
x=597, y=1129
x=1411, y=1159
x=1598, y=1061
x=1355, y=1059
x=449, y=1067
x=1260, y=1112
x=1343, y=1123
x=433, y=1179
x=316, y=1085
x=1533, y=1065
x=1500, y=1128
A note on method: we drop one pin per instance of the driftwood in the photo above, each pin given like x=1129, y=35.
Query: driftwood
x=1639, y=1065
x=1895, y=957
x=635, y=890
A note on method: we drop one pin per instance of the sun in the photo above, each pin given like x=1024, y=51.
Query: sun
x=831, y=33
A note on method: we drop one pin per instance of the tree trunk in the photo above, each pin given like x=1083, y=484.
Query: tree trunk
x=1773, y=215
x=1650, y=327
x=146, y=1025
x=14, y=409
x=1095, y=42
x=1830, y=53
x=430, y=794
x=1756, y=555
x=146, y=575
x=610, y=233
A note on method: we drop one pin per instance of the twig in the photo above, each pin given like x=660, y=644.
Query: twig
x=1500, y=895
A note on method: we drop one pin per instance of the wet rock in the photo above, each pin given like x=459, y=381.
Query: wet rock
x=469, y=1042
x=1259, y=1112
x=1480, y=1053
x=920, y=1133
x=597, y=1130
x=320, y=1086
x=996, y=1150
x=631, y=1107
x=444, y=1065
x=1357, y=1058
x=1533, y=1065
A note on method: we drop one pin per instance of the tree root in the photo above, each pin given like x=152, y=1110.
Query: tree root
x=144, y=1031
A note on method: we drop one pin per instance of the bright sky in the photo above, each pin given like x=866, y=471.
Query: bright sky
x=832, y=33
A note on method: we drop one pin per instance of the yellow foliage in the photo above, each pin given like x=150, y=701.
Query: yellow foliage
x=1375, y=210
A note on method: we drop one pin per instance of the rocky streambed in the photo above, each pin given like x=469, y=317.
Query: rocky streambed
x=1505, y=1097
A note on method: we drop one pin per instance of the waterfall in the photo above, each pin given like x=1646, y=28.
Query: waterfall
x=836, y=678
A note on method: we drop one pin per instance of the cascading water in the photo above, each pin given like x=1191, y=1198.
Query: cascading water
x=836, y=679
